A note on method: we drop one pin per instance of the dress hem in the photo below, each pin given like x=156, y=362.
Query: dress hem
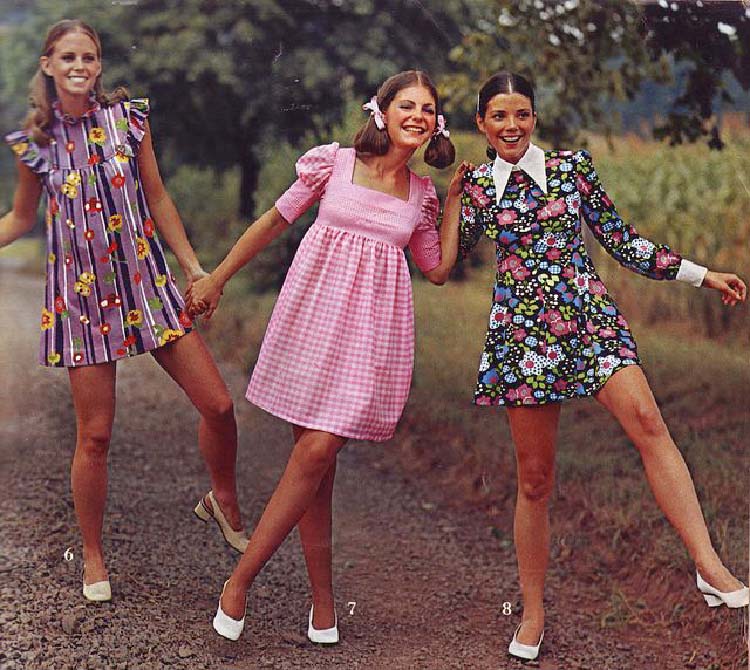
x=547, y=401
x=350, y=435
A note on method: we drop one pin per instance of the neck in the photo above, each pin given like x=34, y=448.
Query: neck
x=514, y=160
x=394, y=161
x=75, y=105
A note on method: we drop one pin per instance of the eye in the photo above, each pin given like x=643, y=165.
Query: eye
x=89, y=58
x=67, y=57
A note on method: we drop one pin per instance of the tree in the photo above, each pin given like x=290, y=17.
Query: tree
x=583, y=53
x=225, y=77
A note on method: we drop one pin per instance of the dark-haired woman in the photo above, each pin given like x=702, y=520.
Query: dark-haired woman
x=110, y=293
x=336, y=360
x=555, y=333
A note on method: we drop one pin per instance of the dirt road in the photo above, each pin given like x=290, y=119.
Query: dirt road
x=419, y=585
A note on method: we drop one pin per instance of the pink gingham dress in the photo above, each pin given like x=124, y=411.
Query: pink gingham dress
x=339, y=349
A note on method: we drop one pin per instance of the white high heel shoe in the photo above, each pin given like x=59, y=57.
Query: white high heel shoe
x=323, y=635
x=98, y=592
x=714, y=597
x=527, y=651
x=235, y=538
x=225, y=625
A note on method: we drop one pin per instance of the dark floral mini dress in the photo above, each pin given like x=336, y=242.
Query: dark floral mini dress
x=109, y=293
x=554, y=331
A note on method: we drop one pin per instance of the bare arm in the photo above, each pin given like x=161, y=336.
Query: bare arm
x=205, y=294
x=449, y=228
x=166, y=216
x=21, y=219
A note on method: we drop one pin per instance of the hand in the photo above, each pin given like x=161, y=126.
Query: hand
x=457, y=182
x=203, y=297
x=733, y=289
x=194, y=274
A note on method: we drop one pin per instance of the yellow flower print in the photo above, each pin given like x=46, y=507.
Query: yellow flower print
x=83, y=289
x=53, y=358
x=170, y=335
x=74, y=178
x=51, y=258
x=161, y=280
x=134, y=318
x=97, y=136
x=48, y=319
x=69, y=190
x=142, y=248
x=115, y=223
x=87, y=277
x=19, y=148
x=121, y=156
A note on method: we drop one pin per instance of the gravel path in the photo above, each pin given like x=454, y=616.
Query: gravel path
x=428, y=580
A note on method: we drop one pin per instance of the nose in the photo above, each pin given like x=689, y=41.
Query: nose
x=512, y=121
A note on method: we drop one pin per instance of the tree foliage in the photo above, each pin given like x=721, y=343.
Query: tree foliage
x=582, y=54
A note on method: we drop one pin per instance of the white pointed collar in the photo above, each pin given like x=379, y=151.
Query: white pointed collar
x=532, y=163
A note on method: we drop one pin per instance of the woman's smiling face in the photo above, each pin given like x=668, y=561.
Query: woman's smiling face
x=74, y=65
x=410, y=118
x=508, y=123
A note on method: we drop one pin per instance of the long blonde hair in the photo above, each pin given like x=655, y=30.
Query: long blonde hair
x=42, y=91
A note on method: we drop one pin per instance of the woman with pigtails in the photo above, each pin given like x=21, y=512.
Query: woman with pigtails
x=337, y=357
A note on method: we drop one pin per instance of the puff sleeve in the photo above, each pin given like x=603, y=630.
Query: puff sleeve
x=424, y=244
x=138, y=111
x=314, y=169
x=621, y=240
x=29, y=152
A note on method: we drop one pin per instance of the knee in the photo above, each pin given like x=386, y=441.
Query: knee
x=648, y=420
x=219, y=410
x=316, y=457
x=536, y=482
x=94, y=440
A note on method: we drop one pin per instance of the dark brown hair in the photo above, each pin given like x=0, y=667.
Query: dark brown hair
x=439, y=153
x=42, y=91
x=502, y=82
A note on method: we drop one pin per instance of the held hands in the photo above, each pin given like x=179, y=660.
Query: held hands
x=732, y=288
x=203, y=296
x=456, y=185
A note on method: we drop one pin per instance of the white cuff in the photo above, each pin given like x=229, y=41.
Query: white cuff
x=691, y=273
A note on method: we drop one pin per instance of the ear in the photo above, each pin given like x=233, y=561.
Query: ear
x=480, y=123
x=44, y=64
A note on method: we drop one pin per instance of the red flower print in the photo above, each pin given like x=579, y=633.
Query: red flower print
x=70, y=147
x=148, y=227
x=59, y=304
x=185, y=320
x=77, y=357
x=93, y=205
x=68, y=260
x=583, y=186
x=105, y=328
x=506, y=217
x=54, y=208
x=129, y=341
x=94, y=159
x=118, y=181
x=137, y=278
x=121, y=352
x=553, y=254
x=477, y=195
x=665, y=258
x=89, y=234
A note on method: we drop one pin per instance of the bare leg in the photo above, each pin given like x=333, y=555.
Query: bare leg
x=315, y=534
x=628, y=397
x=93, y=390
x=313, y=454
x=188, y=361
x=534, y=431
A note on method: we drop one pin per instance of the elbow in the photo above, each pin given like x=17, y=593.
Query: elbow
x=438, y=276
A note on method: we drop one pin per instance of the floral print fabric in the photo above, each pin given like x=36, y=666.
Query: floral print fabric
x=109, y=292
x=554, y=331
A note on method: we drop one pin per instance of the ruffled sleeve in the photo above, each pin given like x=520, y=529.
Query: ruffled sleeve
x=138, y=110
x=424, y=244
x=28, y=151
x=314, y=169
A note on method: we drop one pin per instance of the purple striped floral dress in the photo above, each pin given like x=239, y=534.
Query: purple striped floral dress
x=109, y=293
